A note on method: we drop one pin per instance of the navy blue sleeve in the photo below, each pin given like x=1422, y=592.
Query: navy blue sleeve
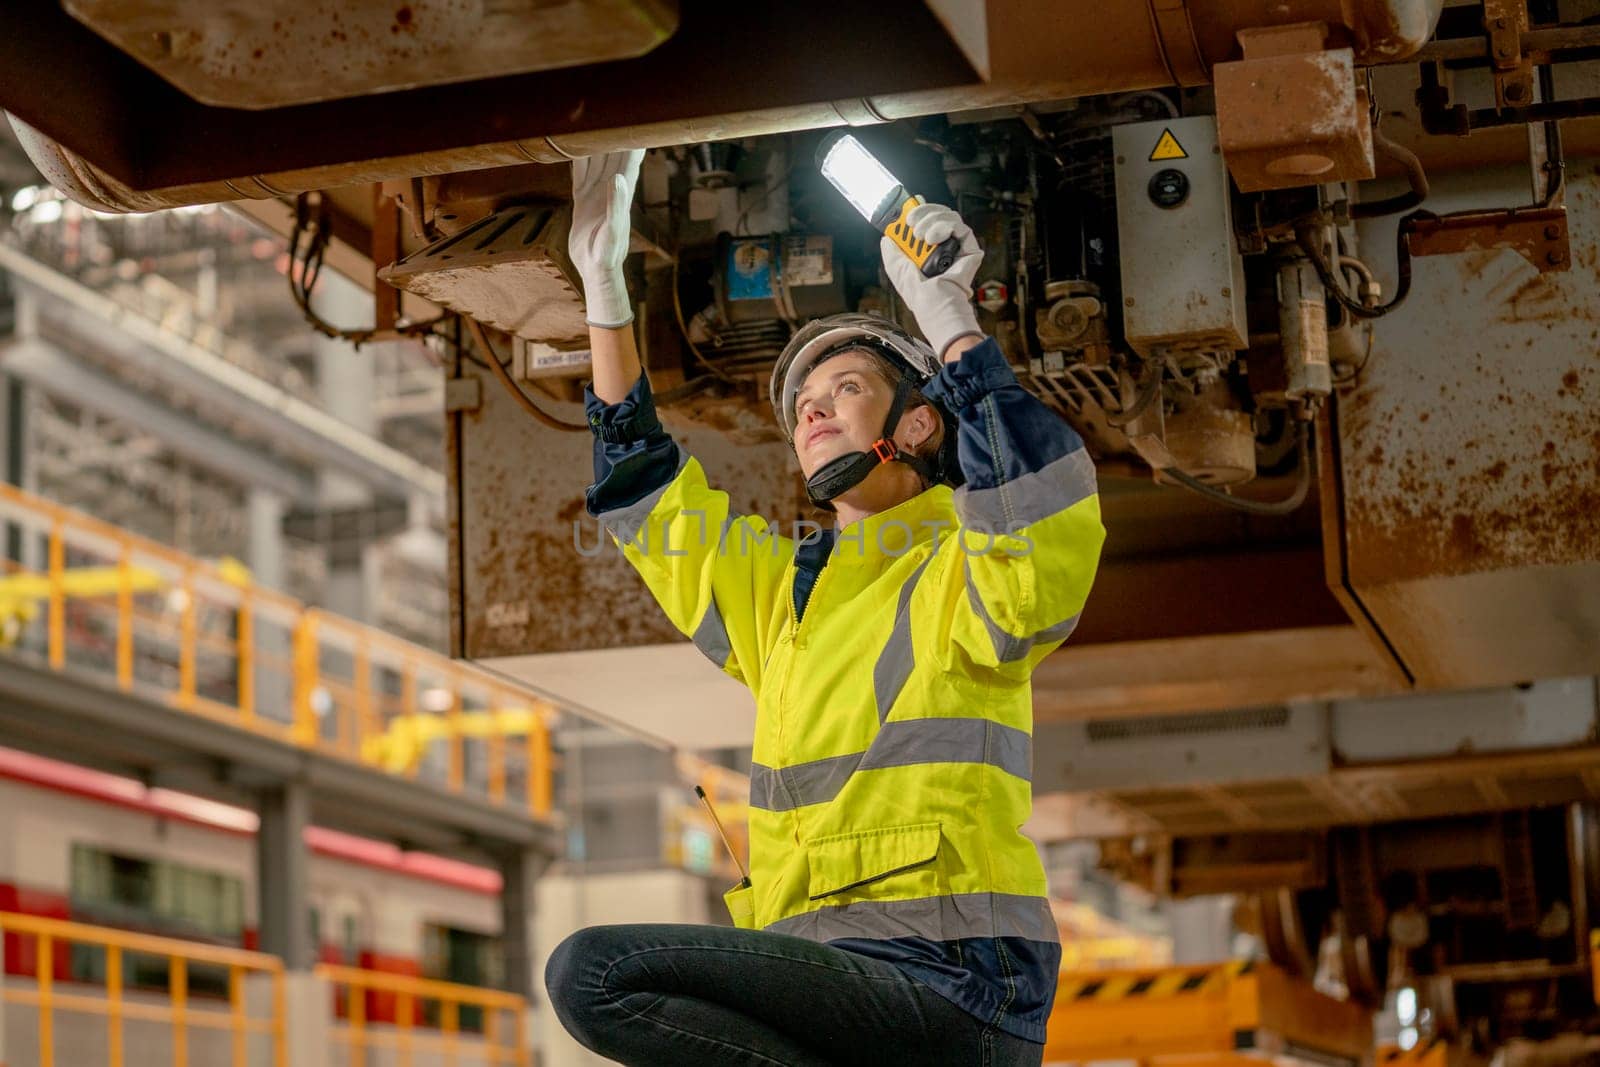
x=633, y=455
x=1003, y=431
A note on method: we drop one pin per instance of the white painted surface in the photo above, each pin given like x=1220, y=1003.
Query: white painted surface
x=669, y=694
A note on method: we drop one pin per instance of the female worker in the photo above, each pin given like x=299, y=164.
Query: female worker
x=894, y=913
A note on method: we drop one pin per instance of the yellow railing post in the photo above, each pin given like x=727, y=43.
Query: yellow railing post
x=178, y=979
x=540, y=788
x=305, y=679
x=519, y=1030
x=245, y=657
x=458, y=744
x=450, y=1022
x=280, y=1015
x=124, y=619
x=58, y=597
x=356, y=1009
x=408, y=702
x=236, y=1015
x=186, y=648
x=363, y=695
x=114, y=1004
x=44, y=946
x=406, y=1016
x=497, y=759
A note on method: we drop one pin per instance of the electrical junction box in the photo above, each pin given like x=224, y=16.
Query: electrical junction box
x=1182, y=275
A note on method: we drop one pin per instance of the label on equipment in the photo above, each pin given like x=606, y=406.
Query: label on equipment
x=1167, y=147
x=808, y=260
x=750, y=270
x=547, y=362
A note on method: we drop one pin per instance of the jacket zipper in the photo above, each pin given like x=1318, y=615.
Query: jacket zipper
x=805, y=606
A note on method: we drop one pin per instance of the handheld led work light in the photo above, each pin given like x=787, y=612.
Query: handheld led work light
x=882, y=200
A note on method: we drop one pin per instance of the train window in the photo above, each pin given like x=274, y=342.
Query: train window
x=350, y=944
x=461, y=956
x=157, y=897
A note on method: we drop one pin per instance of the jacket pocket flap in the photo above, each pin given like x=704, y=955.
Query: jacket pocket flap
x=846, y=861
x=741, y=906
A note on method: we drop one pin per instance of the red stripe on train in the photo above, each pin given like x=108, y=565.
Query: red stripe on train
x=166, y=803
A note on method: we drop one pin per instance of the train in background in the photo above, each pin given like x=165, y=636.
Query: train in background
x=95, y=848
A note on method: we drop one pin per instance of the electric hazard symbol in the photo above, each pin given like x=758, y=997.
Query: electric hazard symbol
x=1167, y=148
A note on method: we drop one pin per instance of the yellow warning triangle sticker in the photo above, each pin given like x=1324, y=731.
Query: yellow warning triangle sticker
x=1168, y=148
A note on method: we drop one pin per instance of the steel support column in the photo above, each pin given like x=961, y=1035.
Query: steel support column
x=266, y=510
x=519, y=872
x=346, y=385
x=283, y=874
x=268, y=569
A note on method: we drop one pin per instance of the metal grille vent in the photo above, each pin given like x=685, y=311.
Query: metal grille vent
x=1211, y=722
x=509, y=270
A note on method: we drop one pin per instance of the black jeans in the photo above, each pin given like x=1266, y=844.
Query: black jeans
x=711, y=995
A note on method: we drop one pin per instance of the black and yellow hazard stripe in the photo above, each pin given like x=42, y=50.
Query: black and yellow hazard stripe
x=1150, y=984
x=899, y=231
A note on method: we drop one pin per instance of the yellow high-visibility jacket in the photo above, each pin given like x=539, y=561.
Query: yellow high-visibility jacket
x=892, y=753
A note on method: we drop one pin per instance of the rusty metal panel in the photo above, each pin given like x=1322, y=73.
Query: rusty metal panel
x=249, y=54
x=530, y=572
x=1469, y=454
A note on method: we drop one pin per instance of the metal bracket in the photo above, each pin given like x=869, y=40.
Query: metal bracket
x=386, y=248
x=1505, y=21
x=1538, y=234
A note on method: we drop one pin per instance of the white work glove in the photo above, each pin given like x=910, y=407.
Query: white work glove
x=602, y=194
x=943, y=305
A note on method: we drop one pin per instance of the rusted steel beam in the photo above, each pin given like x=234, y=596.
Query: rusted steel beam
x=1538, y=235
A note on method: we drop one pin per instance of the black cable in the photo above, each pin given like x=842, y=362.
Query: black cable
x=1555, y=158
x=481, y=339
x=1255, y=507
x=1417, y=177
x=1306, y=237
x=1149, y=389
x=317, y=233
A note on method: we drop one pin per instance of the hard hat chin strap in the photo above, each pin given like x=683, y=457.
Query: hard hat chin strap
x=844, y=473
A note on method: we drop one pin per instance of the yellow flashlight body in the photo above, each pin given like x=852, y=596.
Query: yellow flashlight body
x=932, y=259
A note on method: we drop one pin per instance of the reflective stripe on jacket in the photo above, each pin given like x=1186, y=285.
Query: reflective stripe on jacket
x=894, y=714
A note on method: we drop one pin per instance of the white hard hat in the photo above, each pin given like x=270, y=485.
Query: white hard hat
x=823, y=337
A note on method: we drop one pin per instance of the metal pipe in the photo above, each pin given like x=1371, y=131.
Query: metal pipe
x=1541, y=45
x=1038, y=50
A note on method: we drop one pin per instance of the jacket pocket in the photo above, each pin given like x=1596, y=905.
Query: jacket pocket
x=849, y=861
x=741, y=904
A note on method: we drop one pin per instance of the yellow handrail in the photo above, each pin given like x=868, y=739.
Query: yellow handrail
x=180, y=1014
x=361, y=1032
x=205, y=640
